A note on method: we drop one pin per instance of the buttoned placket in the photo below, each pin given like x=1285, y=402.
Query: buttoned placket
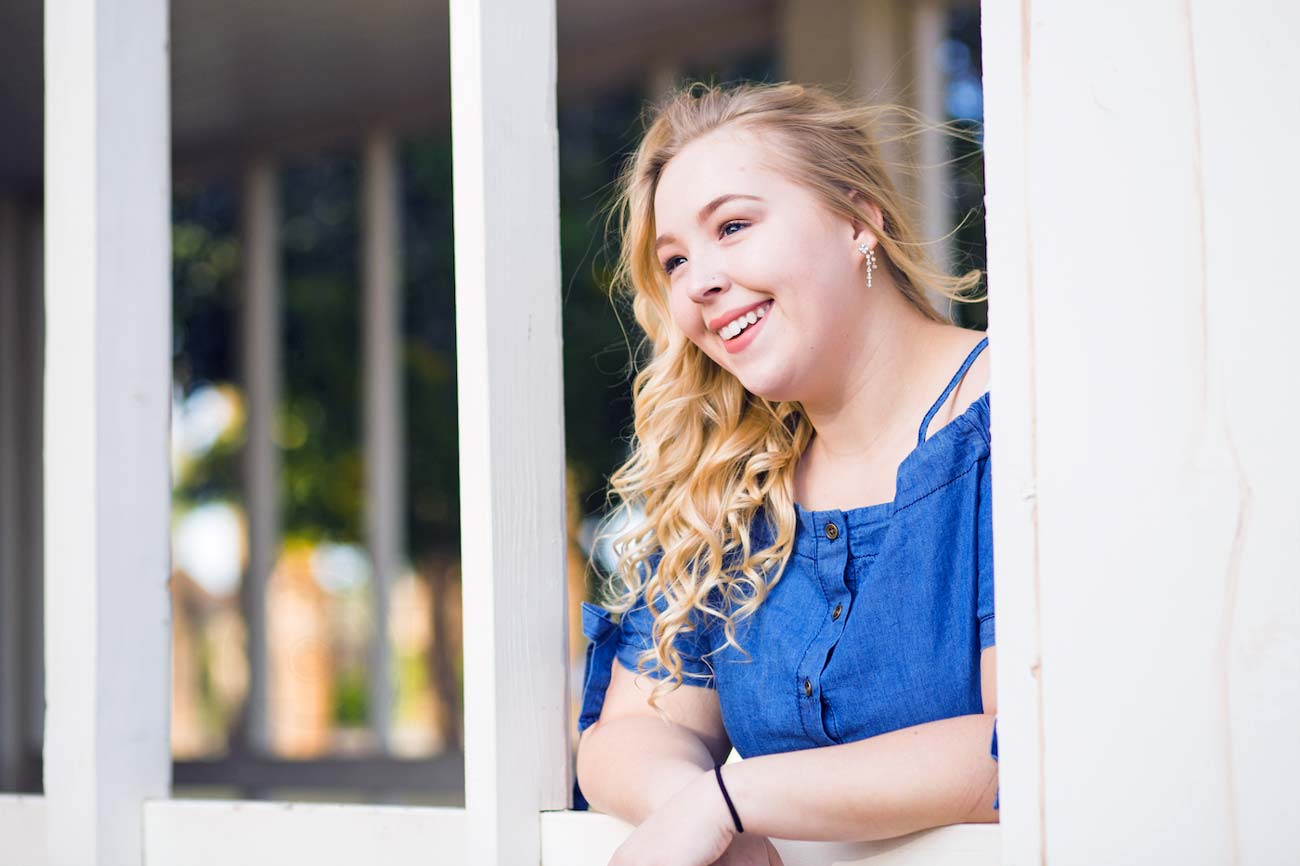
x=829, y=533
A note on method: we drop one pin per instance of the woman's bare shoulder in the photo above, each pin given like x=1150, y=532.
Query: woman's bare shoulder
x=957, y=344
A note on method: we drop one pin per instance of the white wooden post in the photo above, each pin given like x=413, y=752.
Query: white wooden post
x=503, y=61
x=260, y=362
x=1013, y=353
x=1146, y=519
x=107, y=404
x=383, y=412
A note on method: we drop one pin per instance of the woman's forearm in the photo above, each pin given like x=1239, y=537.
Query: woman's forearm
x=924, y=776
x=630, y=765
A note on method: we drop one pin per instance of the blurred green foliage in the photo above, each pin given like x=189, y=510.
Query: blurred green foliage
x=319, y=426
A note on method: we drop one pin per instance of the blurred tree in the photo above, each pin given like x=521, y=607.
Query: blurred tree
x=205, y=275
x=429, y=353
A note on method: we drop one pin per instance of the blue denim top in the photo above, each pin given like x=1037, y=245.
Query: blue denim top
x=876, y=623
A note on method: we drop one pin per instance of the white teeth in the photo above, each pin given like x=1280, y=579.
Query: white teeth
x=728, y=331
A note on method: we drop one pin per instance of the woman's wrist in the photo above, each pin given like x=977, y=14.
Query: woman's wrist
x=709, y=794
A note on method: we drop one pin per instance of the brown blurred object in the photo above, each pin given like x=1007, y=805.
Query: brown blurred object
x=209, y=668
x=190, y=603
x=446, y=646
x=298, y=642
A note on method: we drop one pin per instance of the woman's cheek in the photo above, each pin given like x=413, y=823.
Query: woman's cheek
x=686, y=318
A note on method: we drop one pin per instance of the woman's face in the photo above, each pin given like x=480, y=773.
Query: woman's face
x=739, y=241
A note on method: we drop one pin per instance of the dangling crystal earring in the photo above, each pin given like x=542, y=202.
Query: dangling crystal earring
x=871, y=260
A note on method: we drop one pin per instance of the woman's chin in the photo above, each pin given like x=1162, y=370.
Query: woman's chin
x=775, y=388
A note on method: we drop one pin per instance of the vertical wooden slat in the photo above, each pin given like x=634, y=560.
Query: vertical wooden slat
x=511, y=423
x=383, y=410
x=1145, y=293
x=260, y=318
x=1012, y=348
x=1246, y=68
x=107, y=402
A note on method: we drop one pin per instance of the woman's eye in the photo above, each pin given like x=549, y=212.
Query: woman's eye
x=670, y=265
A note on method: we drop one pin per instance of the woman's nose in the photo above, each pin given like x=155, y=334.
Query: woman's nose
x=714, y=282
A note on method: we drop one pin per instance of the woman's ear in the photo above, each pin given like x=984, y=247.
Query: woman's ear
x=873, y=211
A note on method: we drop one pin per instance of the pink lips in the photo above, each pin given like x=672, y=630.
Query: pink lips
x=747, y=336
x=732, y=315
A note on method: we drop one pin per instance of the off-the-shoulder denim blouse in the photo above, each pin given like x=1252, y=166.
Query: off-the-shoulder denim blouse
x=876, y=624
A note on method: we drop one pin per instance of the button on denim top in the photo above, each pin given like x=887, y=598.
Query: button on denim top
x=876, y=623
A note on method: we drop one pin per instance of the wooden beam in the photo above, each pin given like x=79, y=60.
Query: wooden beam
x=1013, y=353
x=1145, y=510
x=510, y=394
x=107, y=405
x=218, y=833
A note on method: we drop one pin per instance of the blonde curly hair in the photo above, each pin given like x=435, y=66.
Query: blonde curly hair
x=708, y=457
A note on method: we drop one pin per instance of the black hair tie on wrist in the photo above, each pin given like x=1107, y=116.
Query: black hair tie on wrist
x=717, y=771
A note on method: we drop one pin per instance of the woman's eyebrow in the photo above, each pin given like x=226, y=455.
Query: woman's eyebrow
x=706, y=210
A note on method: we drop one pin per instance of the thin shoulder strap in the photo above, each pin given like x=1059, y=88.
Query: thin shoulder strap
x=961, y=371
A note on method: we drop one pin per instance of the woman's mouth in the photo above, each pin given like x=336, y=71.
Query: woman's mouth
x=740, y=332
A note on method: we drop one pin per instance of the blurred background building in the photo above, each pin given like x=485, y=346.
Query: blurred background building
x=316, y=583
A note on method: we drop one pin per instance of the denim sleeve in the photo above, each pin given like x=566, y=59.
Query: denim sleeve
x=624, y=639
x=636, y=636
x=984, y=557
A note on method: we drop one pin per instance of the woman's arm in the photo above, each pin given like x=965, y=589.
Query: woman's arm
x=928, y=775
x=906, y=780
x=630, y=761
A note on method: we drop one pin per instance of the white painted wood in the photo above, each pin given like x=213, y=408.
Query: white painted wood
x=383, y=409
x=1012, y=351
x=222, y=832
x=511, y=424
x=1161, y=421
x=22, y=827
x=590, y=839
x=260, y=351
x=1246, y=69
x=107, y=403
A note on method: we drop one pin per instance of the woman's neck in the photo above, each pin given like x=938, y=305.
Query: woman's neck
x=878, y=387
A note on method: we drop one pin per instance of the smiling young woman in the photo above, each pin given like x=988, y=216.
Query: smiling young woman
x=809, y=494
